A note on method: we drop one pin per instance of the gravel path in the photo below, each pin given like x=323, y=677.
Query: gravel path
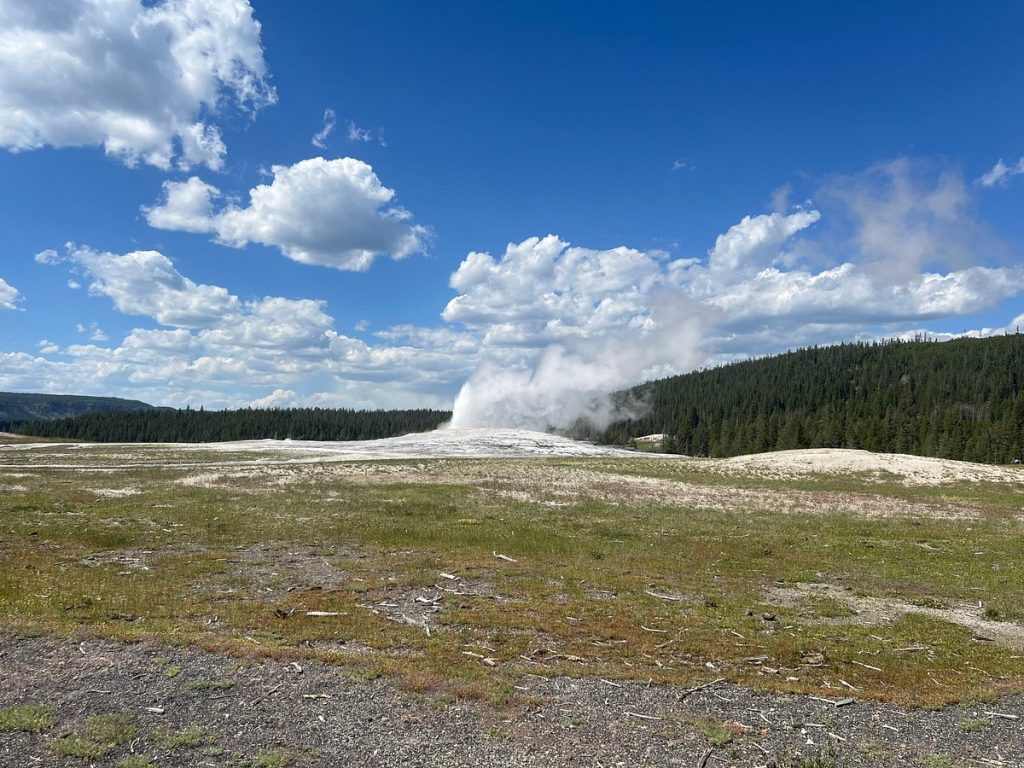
x=268, y=713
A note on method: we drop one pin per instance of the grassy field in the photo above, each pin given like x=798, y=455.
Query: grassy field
x=460, y=576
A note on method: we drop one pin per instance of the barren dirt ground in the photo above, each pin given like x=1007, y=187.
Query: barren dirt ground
x=506, y=598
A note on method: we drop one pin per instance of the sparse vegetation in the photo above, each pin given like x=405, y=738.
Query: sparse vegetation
x=277, y=758
x=713, y=731
x=189, y=738
x=618, y=545
x=101, y=734
x=975, y=725
x=27, y=717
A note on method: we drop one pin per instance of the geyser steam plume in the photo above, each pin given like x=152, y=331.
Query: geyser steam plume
x=575, y=378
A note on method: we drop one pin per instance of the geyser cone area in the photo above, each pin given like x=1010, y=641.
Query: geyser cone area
x=448, y=442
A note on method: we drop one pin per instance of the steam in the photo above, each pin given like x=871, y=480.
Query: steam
x=574, y=379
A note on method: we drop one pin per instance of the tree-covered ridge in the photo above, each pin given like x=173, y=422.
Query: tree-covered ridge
x=960, y=399
x=19, y=406
x=188, y=426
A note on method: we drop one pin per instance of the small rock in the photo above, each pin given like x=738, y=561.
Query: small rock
x=769, y=616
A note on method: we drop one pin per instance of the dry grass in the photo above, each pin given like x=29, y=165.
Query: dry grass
x=239, y=564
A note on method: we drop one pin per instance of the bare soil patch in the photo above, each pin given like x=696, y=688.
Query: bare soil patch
x=188, y=708
x=872, y=611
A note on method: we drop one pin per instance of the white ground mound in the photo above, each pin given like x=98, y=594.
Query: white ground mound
x=912, y=470
x=441, y=443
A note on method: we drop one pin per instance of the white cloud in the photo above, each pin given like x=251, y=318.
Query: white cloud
x=187, y=206
x=906, y=218
x=330, y=122
x=357, y=134
x=333, y=213
x=47, y=347
x=136, y=78
x=279, y=398
x=1001, y=173
x=93, y=329
x=755, y=242
x=222, y=351
x=9, y=295
x=146, y=283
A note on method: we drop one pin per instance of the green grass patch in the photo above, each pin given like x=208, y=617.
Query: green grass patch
x=188, y=738
x=100, y=735
x=27, y=717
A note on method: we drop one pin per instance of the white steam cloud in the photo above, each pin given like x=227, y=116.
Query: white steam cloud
x=563, y=327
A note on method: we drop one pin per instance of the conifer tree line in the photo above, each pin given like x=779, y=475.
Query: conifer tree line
x=960, y=399
x=166, y=425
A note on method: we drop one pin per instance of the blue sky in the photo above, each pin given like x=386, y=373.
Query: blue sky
x=723, y=180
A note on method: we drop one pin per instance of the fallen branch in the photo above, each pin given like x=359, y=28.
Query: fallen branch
x=663, y=597
x=1003, y=715
x=506, y=558
x=704, y=759
x=866, y=666
x=690, y=691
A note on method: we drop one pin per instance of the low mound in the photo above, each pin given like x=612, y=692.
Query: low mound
x=912, y=470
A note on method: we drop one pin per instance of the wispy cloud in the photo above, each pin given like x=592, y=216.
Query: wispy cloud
x=358, y=134
x=1001, y=173
x=330, y=122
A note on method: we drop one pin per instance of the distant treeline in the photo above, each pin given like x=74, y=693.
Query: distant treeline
x=189, y=426
x=960, y=399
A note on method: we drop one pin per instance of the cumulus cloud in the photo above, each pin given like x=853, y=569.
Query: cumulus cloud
x=187, y=206
x=146, y=283
x=333, y=213
x=143, y=80
x=9, y=295
x=219, y=350
x=279, y=398
x=330, y=122
x=1000, y=174
x=754, y=243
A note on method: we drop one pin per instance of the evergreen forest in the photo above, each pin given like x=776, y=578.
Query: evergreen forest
x=960, y=399
x=190, y=426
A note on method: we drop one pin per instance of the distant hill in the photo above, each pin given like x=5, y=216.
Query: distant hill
x=19, y=406
x=961, y=399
